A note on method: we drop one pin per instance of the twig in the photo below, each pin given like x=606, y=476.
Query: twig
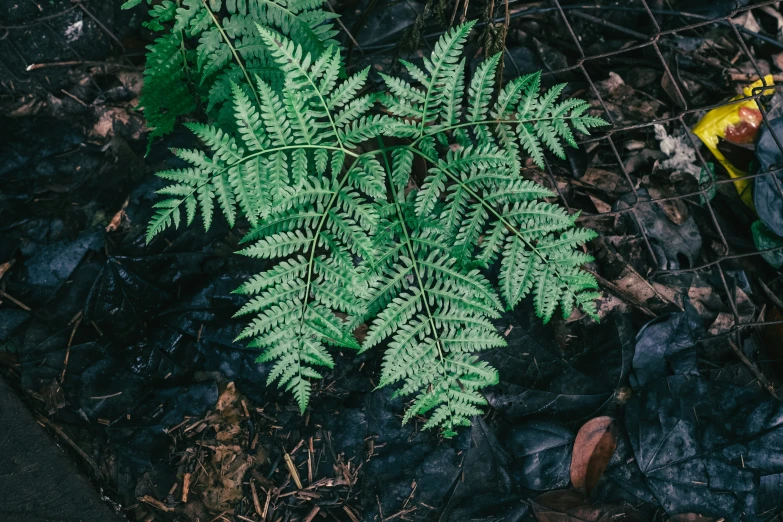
x=266, y=505
x=100, y=24
x=454, y=13
x=347, y=32
x=71, y=443
x=752, y=367
x=350, y=513
x=464, y=12
x=39, y=20
x=15, y=301
x=5, y=267
x=310, y=462
x=76, y=321
x=69, y=63
x=73, y=97
x=101, y=397
x=622, y=294
x=772, y=297
x=501, y=65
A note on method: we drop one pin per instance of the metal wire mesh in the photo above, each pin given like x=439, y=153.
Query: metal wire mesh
x=607, y=137
x=652, y=36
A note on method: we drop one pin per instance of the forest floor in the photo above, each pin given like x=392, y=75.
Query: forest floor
x=669, y=407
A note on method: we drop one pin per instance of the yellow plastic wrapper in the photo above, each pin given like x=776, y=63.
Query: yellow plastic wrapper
x=739, y=123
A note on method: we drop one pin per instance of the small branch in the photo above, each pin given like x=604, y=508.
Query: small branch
x=754, y=370
x=619, y=292
x=15, y=301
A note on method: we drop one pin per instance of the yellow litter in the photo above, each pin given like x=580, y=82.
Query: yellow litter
x=714, y=125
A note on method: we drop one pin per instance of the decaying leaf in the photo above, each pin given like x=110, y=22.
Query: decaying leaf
x=594, y=445
x=573, y=506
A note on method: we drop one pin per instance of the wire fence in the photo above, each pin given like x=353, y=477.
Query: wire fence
x=652, y=36
x=653, y=41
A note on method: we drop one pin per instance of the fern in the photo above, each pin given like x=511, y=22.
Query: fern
x=348, y=241
x=202, y=56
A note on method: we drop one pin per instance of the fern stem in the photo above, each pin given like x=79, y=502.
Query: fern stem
x=298, y=65
x=419, y=280
x=233, y=50
x=289, y=147
x=491, y=122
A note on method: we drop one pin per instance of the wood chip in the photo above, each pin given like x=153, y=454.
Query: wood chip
x=256, y=502
x=311, y=515
x=351, y=514
x=292, y=470
x=186, y=487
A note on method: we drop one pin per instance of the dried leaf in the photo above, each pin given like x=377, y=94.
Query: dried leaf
x=594, y=446
x=573, y=506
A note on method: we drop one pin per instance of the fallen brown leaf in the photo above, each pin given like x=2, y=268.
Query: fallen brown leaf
x=594, y=446
x=573, y=506
x=689, y=517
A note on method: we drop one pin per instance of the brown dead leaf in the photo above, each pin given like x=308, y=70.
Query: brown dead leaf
x=690, y=517
x=105, y=125
x=28, y=108
x=777, y=59
x=722, y=324
x=594, y=446
x=632, y=282
x=117, y=220
x=573, y=506
x=674, y=91
x=117, y=120
x=131, y=80
x=600, y=205
x=605, y=180
x=675, y=210
x=228, y=460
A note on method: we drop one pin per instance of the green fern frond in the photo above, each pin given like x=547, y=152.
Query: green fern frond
x=351, y=237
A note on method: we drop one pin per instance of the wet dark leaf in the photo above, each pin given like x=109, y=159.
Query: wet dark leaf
x=537, y=381
x=768, y=190
x=666, y=345
x=706, y=446
x=675, y=246
x=484, y=490
x=573, y=506
x=542, y=455
x=50, y=267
